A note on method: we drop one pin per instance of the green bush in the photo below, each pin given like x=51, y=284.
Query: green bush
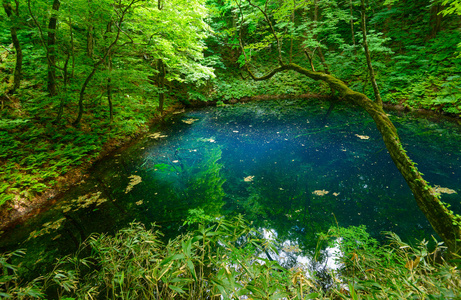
x=223, y=258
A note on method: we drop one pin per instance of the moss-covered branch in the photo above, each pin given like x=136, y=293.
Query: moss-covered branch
x=444, y=222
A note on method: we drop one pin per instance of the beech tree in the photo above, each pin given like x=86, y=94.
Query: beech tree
x=13, y=14
x=121, y=9
x=272, y=17
x=170, y=36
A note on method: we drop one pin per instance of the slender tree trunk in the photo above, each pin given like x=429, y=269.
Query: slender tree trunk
x=161, y=84
x=52, y=26
x=12, y=15
x=72, y=47
x=436, y=19
x=101, y=60
x=90, y=33
x=309, y=58
x=293, y=22
x=109, y=99
x=64, y=95
x=109, y=89
x=109, y=78
x=319, y=49
x=82, y=95
x=352, y=23
x=368, y=56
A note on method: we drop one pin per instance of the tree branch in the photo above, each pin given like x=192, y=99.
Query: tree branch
x=279, y=46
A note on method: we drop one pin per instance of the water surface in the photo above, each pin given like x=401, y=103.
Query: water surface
x=282, y=164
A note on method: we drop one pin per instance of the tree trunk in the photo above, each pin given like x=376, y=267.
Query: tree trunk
x=109, y=79
x=109, y=90
x=17, y=46
x=444, y=222
x=52, y=90
x=64, y=94
x=352, y=23
x=82, y=95
x=319, y=49
x=436, y=19
x=72, y=47
x=161, y=84
x=100, y=61
x=368, y=56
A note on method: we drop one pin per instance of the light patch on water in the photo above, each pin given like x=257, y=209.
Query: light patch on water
x=289, y=248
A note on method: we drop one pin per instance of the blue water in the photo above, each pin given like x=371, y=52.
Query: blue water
x=280, y=163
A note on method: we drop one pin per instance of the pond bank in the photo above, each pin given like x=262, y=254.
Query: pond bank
x=20, y=210
x=23, y=209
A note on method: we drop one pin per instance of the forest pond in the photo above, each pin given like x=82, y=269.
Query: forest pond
x=284, y=164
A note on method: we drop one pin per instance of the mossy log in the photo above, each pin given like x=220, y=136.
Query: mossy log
x=444, y=222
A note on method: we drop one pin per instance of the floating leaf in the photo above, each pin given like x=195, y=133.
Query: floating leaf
x=211, y=140
x=362, y=137
x=189, y=121
x=248, y=178
x=84, y=202
x=48, y=228
x=157, y=135
x=135, y=179
x=439, y=189
x=320, y=192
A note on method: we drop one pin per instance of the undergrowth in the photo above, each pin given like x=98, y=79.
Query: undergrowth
x=35, y=151
x=225, y=259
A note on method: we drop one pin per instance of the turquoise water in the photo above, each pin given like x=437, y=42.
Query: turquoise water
x=280, y=163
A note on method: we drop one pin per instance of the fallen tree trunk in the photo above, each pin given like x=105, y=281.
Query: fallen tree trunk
x=444, y=222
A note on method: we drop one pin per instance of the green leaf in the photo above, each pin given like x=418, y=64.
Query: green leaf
x=191, y=268
x=171, y=258
x=176, y=289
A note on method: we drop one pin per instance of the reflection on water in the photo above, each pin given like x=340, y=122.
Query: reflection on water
x=279, y=163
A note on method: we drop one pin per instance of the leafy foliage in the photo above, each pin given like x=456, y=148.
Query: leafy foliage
x=226, y=258
x=397, y=270
x=113, y=43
